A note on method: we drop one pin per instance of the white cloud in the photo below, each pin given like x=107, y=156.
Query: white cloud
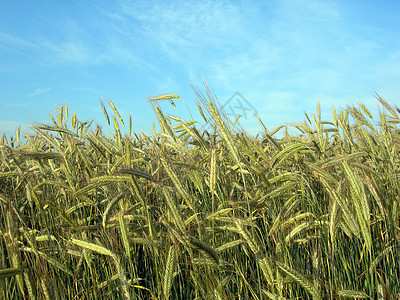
x=17, y=104
x=39, y=91
x=283, y=56
x=124, y=54
x=68, y=52
x=9, y=128
x=91, y=90
x=167, y=86
x=13, y=42
x=9, y=125
x=182, y=30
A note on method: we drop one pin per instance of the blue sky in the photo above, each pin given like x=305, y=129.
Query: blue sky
x=281, y=56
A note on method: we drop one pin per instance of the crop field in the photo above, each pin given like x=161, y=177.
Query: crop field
x=186, y=213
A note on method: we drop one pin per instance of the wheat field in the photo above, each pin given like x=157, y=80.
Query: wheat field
x=187, y=213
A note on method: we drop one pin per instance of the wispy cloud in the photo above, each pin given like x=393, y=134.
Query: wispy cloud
x=17, y=104
x=8, y=124
x=282, y=56
x=89, y=89
x=13, y=42
x=219, y=40
x=9, y=127
x=47, y=52
x=174, y=32
x=167, y=85
x=124, y=54
x=68, y=52
x=39, y=91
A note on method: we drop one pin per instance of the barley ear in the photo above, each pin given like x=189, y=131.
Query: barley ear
x=169, y=272
x=300, y=279
x=204, y=248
